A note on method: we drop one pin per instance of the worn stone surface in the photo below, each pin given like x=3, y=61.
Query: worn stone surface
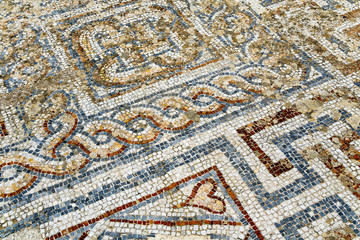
x=179, y=119
x=26, y=234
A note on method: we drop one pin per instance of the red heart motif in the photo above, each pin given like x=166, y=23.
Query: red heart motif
x=202, y=196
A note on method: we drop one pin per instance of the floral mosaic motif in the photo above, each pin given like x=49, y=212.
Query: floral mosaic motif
x=147, y=119
x=337, y=43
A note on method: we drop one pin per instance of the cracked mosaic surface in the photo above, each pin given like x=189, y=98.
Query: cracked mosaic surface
x=179, y=119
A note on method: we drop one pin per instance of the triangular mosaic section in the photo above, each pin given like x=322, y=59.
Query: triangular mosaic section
x=202, y=199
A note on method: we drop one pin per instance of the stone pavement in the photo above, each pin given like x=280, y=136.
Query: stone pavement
x=179, y=119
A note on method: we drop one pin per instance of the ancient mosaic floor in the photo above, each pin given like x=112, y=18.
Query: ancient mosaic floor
x=179, y=119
